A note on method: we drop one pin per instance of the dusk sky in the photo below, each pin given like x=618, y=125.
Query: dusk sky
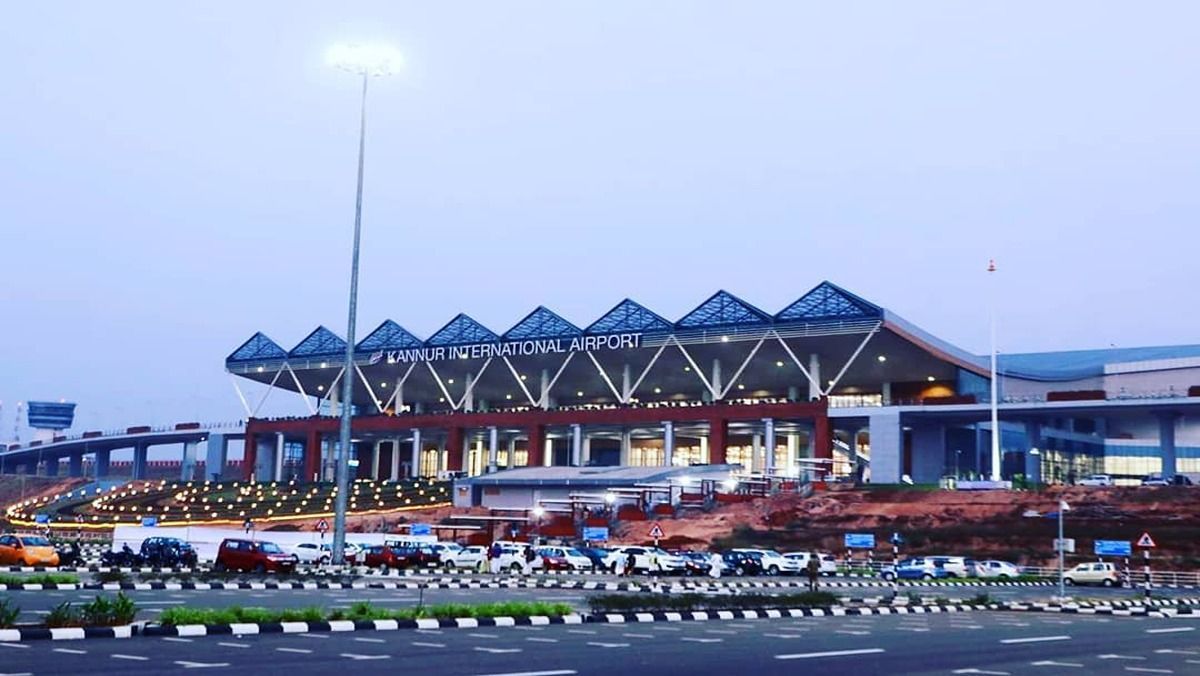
x=177, y=176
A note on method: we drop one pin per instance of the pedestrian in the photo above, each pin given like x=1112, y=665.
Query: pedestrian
x=530, y=557
x=715, y=563
x=814, y=572
x=493, y=557
x=619, y=563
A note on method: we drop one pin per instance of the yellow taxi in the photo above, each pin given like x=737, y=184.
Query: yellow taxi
x=27, y=550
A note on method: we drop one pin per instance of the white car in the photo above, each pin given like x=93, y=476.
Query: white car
x=1001, y=570
x=646, y=560
x=1104, y=574
x=573, y=557
x=311, y=552
x=1097, y=480
x=470, y=558
x=1155, y=480
x=512, y=557
x=775, y=563
x=955, y=566
x=826, y=562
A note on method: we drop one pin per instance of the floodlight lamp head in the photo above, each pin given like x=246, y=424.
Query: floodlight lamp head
x=365, y=59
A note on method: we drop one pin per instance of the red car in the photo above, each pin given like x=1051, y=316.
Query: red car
x=386, y=556
x=258, y=557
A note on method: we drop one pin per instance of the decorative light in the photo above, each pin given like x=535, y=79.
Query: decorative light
x=779, y=364
x=882, y=358
x=931, y=379
x=724, y=339
x=741, y=386
x=658, y=390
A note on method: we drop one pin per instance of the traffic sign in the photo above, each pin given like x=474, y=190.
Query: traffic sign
x=420, y=529
x=149, y=521
x=322, y=525
x=656, y=532
x=41, y=518
x=1068, y=545
x=1146, y=541
x=1112, y=548
x=595, y=533
x=860, y=541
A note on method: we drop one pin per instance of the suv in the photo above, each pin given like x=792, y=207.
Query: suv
x=258, y=557
x=311, y=552
x=826, y=562
x=955, y=566
x=160, y=551
x=389, y=556
x=1104, y=574
x=1097, y=480
x=773, y=562
x=915, y=569
x=647, y=560
x=742, y=563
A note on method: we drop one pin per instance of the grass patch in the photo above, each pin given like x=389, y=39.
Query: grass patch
x=43, y=579
x=362, y=611
x=645, y=603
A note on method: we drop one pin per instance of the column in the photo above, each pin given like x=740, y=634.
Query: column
x=755, y=452
x=249, y=457
x=587, y=450
x=468, y=394
x=793, y=393
x=398, y=404
x=493, y=448
x=626, y=447
x=718, y=434
x=928, y=452
x=375, y=460
x=536, y=446
x=416, y=453
x=52, y=465
x=544, y=388
x=312, y=456
x=769, y=443
x=216, y=451
x=576, y=445
x=1033, y=452
x=1166, y=443
x=793, y=450
x=814, y=371
x=102, y=458
x=140, y=455
x=886, y=394
x=76, y=468
x=668, y=443
x=454, y=449
x=394, y=475
x=887, y=447
x=277, y=466
x=512, y=453
x=626, y=383
x=716, y=378
x=187, y=469
x=823, y=443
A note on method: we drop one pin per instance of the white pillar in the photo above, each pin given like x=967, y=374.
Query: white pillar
x=769, y=436
x=512, y=453
x=395, y=473
x=416, y=452
x=576, y=445
x=278, y=469
x=793, y=450
x=493, y=448
x=814, y=370
x=626, y=446
x=587, y=449
x=755, y=450
x=469, y=393
x=545, y=390
x=188, y=470
x=716, y=379
x=626, y=383
x=704, y=448
x=886, y=394
x=668, y=442
x=398, y=403
x=375, y=460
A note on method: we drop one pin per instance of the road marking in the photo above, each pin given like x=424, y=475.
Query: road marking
x=302, y=651
x=1052, y=663
x=429, y=645
x=852, y=632
x=557, y=672
x=1149, y=671
x=980, y=671
x=70, y=651
x=538, y=639
x=581, y=631
x=370, y=640
x=14, y=645
x=701, y=640
x=234, y=645
x=1112, y=656
x=666, y=628
x=1035, y=639
x=119, y=656
x=18, y=673
x=355, y=656
x=313, y=635
x=639, y=635
x=829, y=653
x=918, y=629
x=484, y=635
x=600, y=644
x=497, y=651
x=1169, y=651
x=720, y=631
x=788, y=635
x=173, y=639
x=1170, y=630
x=200, y=665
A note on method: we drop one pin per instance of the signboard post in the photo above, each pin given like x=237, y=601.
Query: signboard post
x=896, y=541
x=1146, y=543
x=420, y=529
x=656, y=532
x=1112, y=548
x=855, y=541
x=595, y=533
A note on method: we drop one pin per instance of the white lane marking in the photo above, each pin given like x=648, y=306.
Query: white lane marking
x=429, y=645
x=306, y=635
x=556, y=672
x=228, y=644
x=370, y=640
x=302, y=651
x=917, y=629
x=355, y=656
x=666, y=628
x=701, y=640
x=1052, y=663
x=539, y=639
x=479, y=635
x=639, y=635
x=981, y=671
x=1169, y=651
x=119, y=656
x=200, y=665
x=600, y=644
x=70, y=651
x=18, y=673
x=1113, y=656
x=1036, y=639
x=1149, y=671
x=174, y=639
x=581, y=631
x=829, y=653
x=852, y=632
x=720, y=631
x=1170, y=630
x=14, y=645
x=497, y=651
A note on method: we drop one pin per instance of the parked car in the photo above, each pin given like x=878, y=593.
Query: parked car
x=647, y=560
x=955, y=566
x=27, y=550
x=915, y=569
x=695, y=563
x=512, y=556
x=398, y=557
x=775, y=563
x=164, y=551
x=258, y=557
x=742, y=563
x=440, y=550
x=311, y=552
x=596, y=555
x=1104, y=574
x=563, y=558
x=827, y=562
x=1097, y=480
x=1001, y=570
x=469, y=558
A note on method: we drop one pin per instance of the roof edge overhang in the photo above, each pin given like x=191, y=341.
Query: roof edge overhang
x=934, y=345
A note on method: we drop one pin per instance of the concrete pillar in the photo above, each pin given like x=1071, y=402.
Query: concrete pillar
x=249, y=457
x=576, y=445
x=469, y=394
x=76, y=467
x=626, y=382
x=668, y=443
x=140, y=454
x=769, y=443
x=928, y=452
x=1166, y=443
x=455, y=449
x=394, y=474
x=755, y=452
x=626, y=447
x=277, y=465
x=718, y=435
x=399, y=403
x=814, y=370
x=102, y=458
x=187, y=469
x=216, y=452
x=887, y=447
x=536, y=447
x=312, y=456
x=793, y=450
x=544, y=388
x=493, y=448
x=52, y=465
x=793, y=393
x=587, y=450
x=375, y=460
x=512, y=453
x=1033, y=452
x=416, y=453
x=716, y=378
x=886, y=394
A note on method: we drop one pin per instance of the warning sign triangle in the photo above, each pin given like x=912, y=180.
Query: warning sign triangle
x=1146, y=541
x=656, y=532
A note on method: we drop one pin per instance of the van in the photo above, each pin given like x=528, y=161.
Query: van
x=250, y=556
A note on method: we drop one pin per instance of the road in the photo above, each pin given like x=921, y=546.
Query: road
x=962, y=643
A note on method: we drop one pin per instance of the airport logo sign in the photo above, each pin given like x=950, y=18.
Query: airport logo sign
x=511, y=348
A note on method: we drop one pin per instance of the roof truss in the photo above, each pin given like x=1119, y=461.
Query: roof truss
x=542, y=323
x=723, y=309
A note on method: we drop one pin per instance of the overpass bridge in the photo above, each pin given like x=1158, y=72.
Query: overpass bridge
x=99, y=445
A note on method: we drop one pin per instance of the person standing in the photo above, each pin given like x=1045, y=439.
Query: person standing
x=530, y=557
x=715, y=563
x=814, y=572
x=493, y=557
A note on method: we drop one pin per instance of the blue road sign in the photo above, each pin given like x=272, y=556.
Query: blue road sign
x=595, y=533
x=1113, y=548
x=421, y=529
x=149, y=521
x=41, y=518
x=860, y=541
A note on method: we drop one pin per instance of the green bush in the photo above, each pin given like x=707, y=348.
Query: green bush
x=9, y=612
x=361, y=611
x=63, y=615
x=642, y=603
x=979, y=599
x=42, y=579
x=112, y=576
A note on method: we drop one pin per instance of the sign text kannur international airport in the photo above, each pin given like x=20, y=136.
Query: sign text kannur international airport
x=512, y=348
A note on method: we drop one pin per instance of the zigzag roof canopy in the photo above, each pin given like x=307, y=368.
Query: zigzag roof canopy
x=258, y=348
x=542, y=323
x=723, y=309
x=828, y=301
x=629, y=317
x=388, y=336
x=320, y=343
x=462, y=330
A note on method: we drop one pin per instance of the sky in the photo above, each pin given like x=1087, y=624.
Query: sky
x=177, y=176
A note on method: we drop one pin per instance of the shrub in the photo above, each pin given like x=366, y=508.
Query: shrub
x=63, y=615
x=638, y=603
x=112, y=576
x=979, y=599
x=103, y=612
x=9, y=612
x=42, y=579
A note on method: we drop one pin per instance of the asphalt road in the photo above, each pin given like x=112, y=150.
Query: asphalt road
x=958, y=643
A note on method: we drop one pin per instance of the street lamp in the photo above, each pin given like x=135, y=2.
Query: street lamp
x=367, y=61
x=995, y=386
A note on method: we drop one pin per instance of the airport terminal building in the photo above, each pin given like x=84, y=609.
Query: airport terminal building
x=830, y=387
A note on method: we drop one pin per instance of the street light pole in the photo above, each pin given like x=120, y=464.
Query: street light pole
x=994, y=384
x=1062, y=589
x=363, y=61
